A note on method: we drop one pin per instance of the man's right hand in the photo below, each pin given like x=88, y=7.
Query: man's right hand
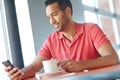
x=14, y=74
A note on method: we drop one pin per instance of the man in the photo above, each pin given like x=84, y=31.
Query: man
x=76, y=46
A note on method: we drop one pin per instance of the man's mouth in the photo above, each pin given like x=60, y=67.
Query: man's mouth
x=56, y=26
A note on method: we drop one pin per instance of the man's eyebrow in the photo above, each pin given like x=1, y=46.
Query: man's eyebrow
x=52, y=13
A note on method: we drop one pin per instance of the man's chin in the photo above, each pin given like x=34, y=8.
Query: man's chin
x=58, y=30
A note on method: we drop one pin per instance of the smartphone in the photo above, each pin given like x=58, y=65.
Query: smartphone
x=8, y=63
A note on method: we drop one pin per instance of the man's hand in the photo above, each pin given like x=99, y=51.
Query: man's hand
x=14, y=74
x=70, y=65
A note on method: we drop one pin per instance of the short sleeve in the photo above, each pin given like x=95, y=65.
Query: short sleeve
x=98, y=37
x=45, y=49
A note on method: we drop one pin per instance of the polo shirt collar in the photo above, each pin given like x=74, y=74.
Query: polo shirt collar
x=60, y=35
x=79, y=28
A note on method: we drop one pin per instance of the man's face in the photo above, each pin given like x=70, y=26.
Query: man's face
x=58, y=18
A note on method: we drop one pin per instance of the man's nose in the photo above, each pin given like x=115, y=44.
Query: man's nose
x=52, y=20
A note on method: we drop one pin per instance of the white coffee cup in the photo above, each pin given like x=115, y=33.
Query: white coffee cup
x=50, y=66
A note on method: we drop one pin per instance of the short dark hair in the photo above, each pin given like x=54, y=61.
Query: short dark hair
x=63, y=4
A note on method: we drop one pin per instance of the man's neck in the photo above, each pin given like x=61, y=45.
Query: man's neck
x=70, y=31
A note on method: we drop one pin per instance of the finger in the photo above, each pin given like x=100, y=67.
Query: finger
x=69, y=69
x=11, y=72
x=18, y=73
x=63, y=62
x=66, y=66
x=7, y=69
x=60, y=64
x=17, y=76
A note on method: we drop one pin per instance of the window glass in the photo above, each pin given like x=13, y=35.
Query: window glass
x=104, y=5
x=116, y=5
x=107, y=28
x=3, y=75
x=2, y=42
x=88, y=2
x=25, y=31
x=118, y=25
x=90, y=17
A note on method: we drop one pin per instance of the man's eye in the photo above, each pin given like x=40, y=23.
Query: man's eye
x=48, y=17
x=54, y=14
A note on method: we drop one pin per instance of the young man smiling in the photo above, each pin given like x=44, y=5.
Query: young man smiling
x=77, y=46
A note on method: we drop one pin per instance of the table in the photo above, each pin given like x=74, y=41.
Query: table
x=106, y=73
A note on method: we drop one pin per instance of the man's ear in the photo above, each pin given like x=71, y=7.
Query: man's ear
x=68, y=11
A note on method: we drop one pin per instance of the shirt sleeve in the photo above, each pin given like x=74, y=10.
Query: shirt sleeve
x=45, y=49
x=98, y=37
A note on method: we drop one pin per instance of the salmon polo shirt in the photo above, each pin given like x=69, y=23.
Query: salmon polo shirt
x=84, y=46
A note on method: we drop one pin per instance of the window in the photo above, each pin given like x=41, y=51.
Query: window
x=2, y=42
x=107, y=27
x=3, y=53
x=107, y=14
x=90, y=17
x=104, y=5
x=118, y=24
x=88, y=3
x=25, y=30
x=116, y=4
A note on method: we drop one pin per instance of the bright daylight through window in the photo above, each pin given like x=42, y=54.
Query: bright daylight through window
x=3, y=55
x=106, y=14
